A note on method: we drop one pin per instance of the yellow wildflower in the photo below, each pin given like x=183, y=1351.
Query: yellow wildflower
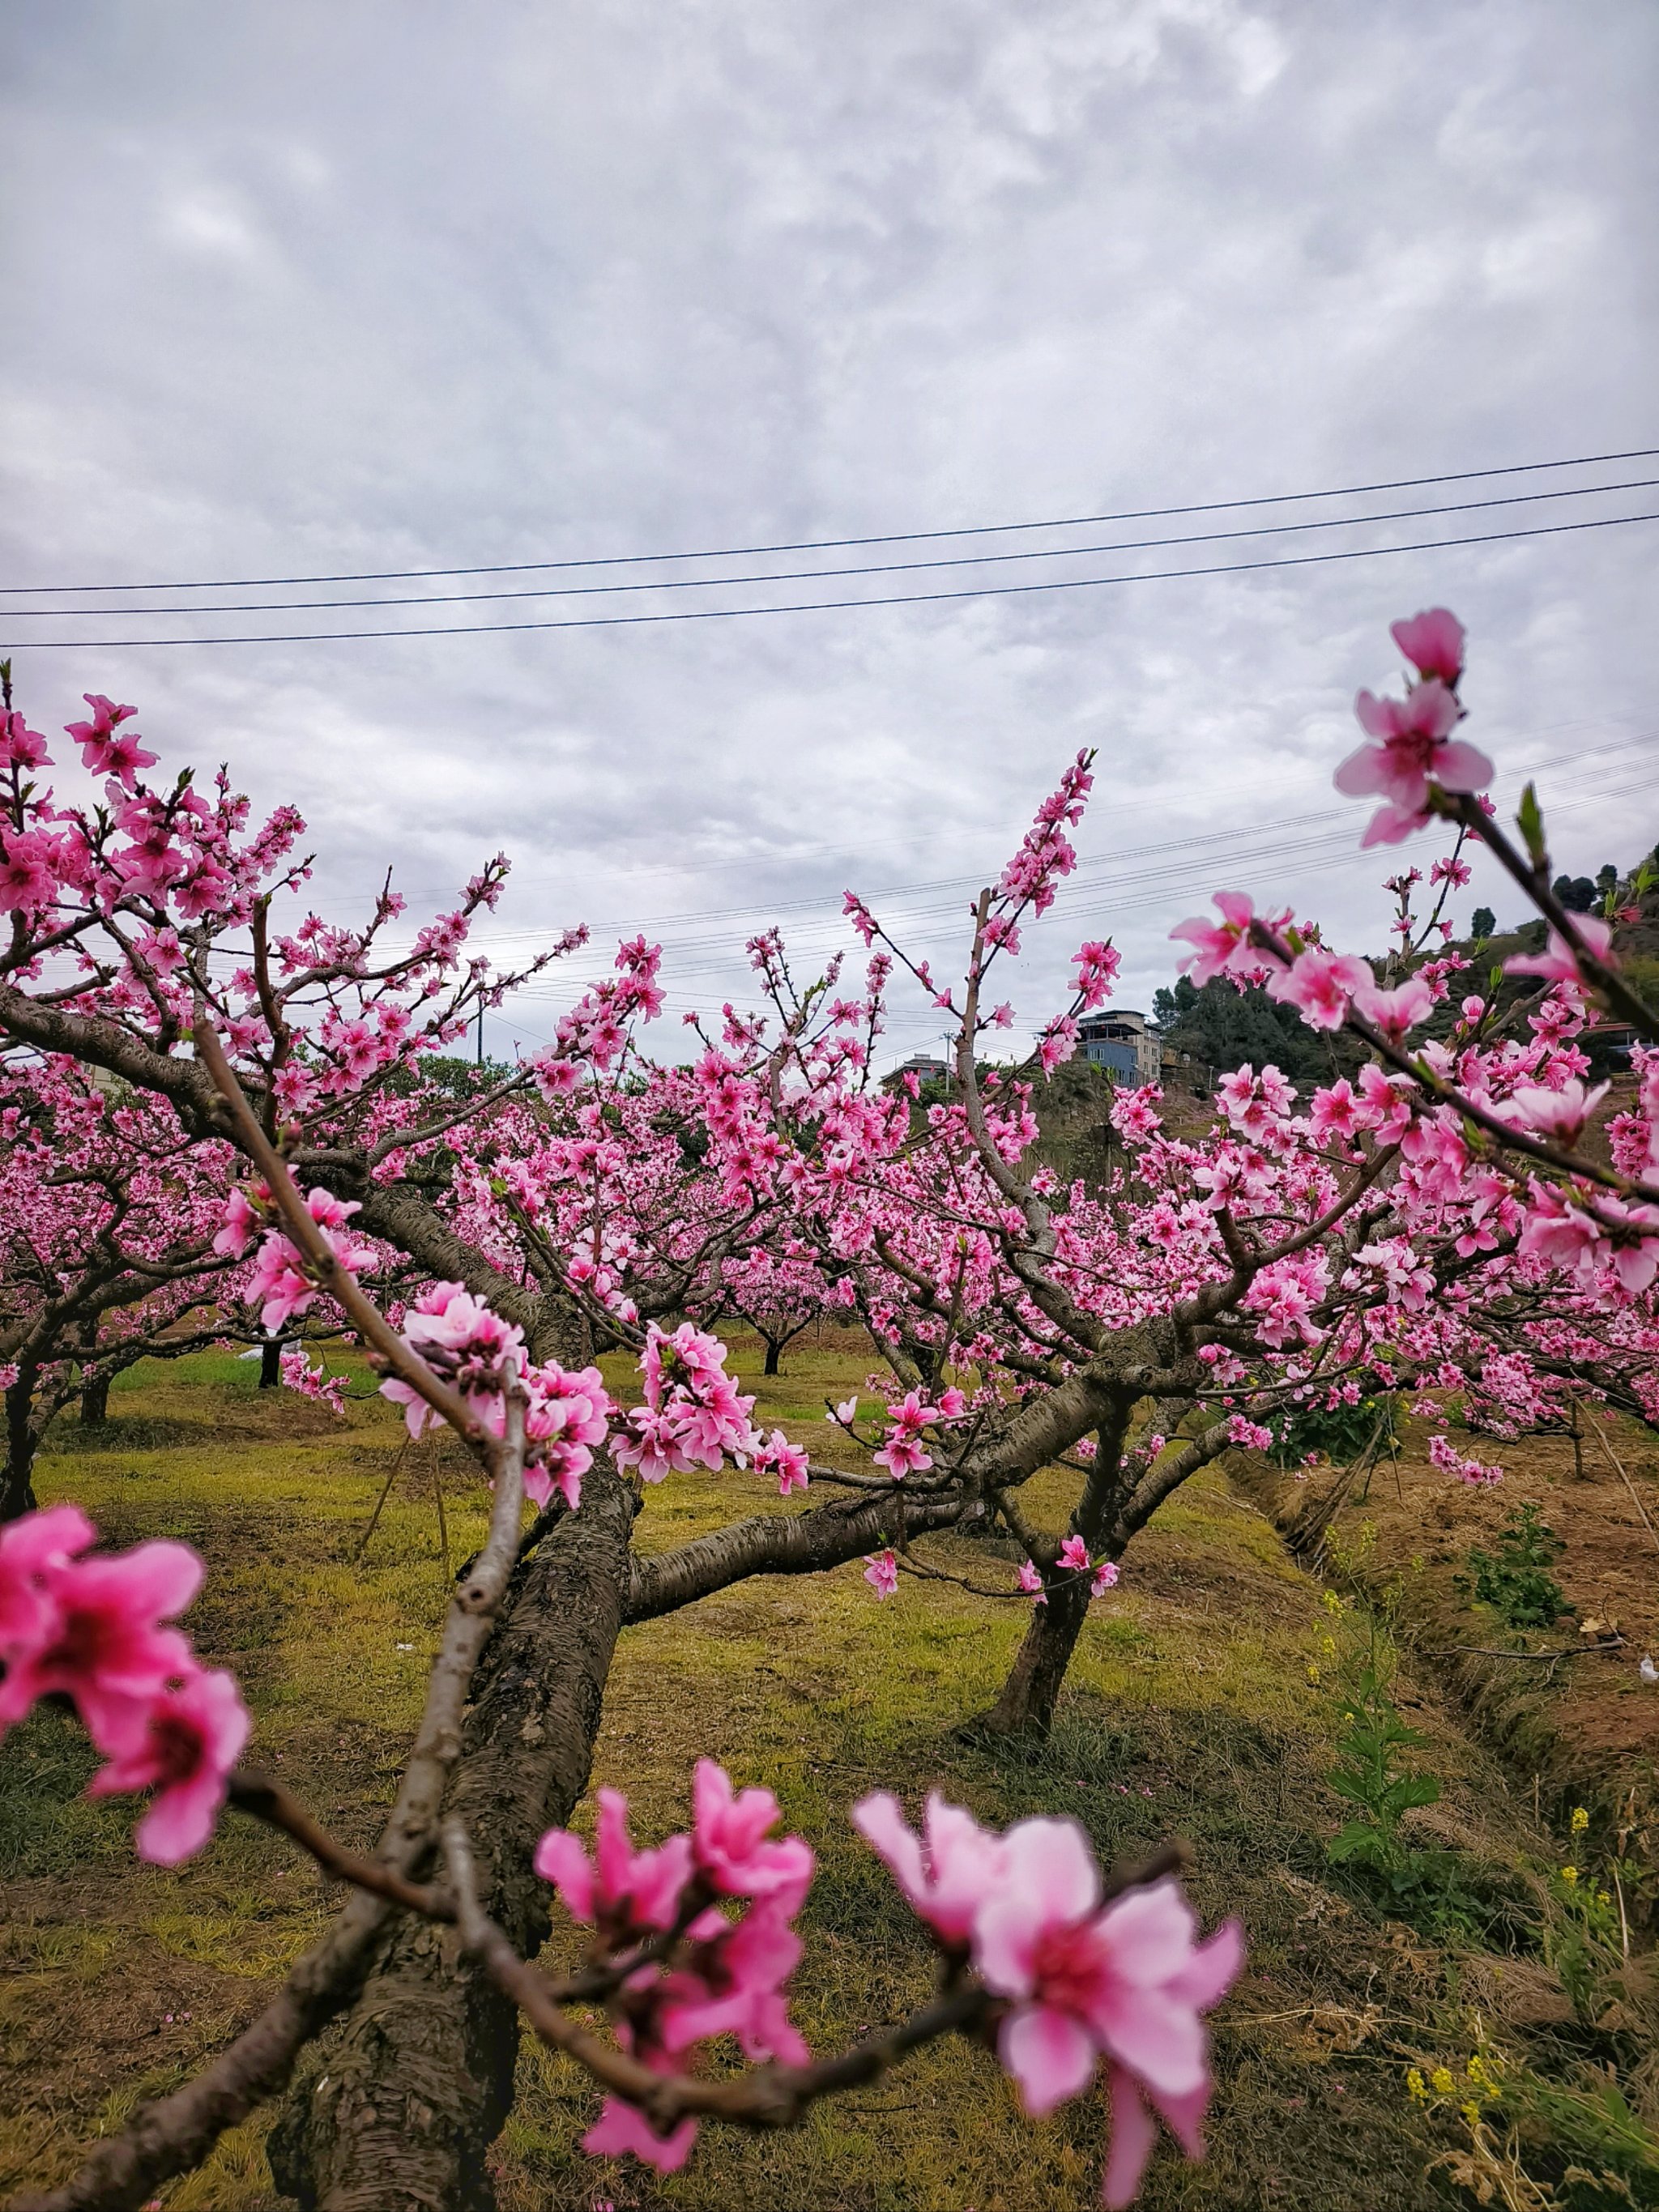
x=1570, y=1875
x=1332, y=1603
x=1471, y=2115
x=1580, y=1820
x=1313, y=1672
x=1441, y=2081
x=1476, y=2070
x=1415, y=2085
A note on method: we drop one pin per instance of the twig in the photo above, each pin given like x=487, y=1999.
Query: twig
x=386, y=1492
x=1489, y=1651
x=767, y=2097
x=176, y=2132
x=1602, y=1436
x=438, y=1493
x=323, y=1264
x=264, y=1799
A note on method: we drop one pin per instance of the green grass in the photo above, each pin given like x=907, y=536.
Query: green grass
x=1189, y=1712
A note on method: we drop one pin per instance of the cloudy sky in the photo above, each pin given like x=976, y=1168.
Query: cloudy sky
x=297, y=290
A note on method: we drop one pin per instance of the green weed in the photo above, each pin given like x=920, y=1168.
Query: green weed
x=1514, y=1577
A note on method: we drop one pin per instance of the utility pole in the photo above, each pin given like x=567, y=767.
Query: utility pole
x=480, y=1057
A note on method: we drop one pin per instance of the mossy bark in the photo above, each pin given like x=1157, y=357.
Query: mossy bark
x=397, y=2107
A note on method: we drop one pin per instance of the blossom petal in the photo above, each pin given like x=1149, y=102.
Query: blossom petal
x=621, y=2127
x=1212, y=1969
x=1460, y=766
x=1365, y=772
x=561, y=1860
x=879, y=1818
x=1049, y=1861
x=1156, y=2035
x=1049, y=2053
x=1134, y=2133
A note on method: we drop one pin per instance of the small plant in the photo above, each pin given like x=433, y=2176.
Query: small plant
x=1373, y=1774
x=1339, y=1432
x=1437, y=1891
x=1537, y=2145
x=1586, y=1939
x=1514, y=1577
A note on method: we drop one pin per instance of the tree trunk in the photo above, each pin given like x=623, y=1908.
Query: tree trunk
x=773, y=1349
x=17, y=1490
x=94, y=1399
x=397, y=2109
x=271, y=1363
x=1029, y=1696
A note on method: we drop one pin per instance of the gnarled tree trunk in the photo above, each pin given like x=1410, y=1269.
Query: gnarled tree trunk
x=399, y=2107
x=1116, y=1503
x=1029, y=1696
x=17, y=1489
x=94, y=1399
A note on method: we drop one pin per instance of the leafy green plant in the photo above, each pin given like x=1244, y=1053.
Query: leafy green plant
x=1372, y=1773
x=1514, y=1577
x=1339, y=1432
x=1438, y=1890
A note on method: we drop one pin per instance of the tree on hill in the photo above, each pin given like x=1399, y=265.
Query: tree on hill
x=1225, y=1026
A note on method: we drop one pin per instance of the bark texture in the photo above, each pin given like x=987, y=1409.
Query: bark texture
x=17, y=1490
x=397, y=2109
x=1112, y=1510
x=1030, y=1694
x=782, y=1544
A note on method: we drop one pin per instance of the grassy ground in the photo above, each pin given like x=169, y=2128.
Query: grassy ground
x=1189, y=1710
x=1585, y=1728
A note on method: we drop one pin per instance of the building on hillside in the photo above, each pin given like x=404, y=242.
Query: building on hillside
x=926, y=1067
x=1122, y=1043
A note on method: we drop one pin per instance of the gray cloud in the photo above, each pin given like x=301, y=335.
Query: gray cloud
x=307, y=288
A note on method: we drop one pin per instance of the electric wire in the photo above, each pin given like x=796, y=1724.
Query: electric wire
x=836, y=544
x=887, y=600
x=808, y=575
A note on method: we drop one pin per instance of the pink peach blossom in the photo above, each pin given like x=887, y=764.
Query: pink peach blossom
x=728, y=1840
x=1223, y=946
x=1126, y=1984
x=1412, y=747
x=1395, y=1012
x=183, y=1743
x=1558, y=963
x=98, y=1640
x=622, y=1891
x=1319, y=985
x=1433, y=642
x=881, y=1572
x=947, y=1872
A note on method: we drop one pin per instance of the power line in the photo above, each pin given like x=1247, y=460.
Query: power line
x=868, y=568
x=836, y=544
x=887, y=600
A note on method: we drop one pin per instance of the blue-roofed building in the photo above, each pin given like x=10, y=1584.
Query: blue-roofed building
x=1122, y=1043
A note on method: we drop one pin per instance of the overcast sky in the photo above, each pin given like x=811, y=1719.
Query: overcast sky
x=293, y=290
